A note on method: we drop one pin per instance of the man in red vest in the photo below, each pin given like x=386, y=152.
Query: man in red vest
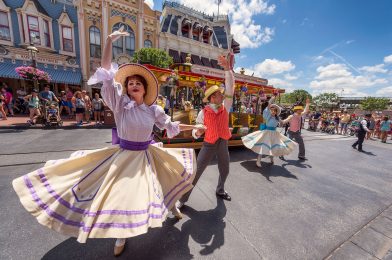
x=215, y=118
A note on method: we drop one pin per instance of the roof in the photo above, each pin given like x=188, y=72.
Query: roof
x=40, y=8
x=59, y=75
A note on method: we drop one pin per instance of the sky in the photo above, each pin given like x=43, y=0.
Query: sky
x=339, y=46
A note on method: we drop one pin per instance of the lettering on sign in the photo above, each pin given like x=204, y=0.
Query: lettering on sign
x=221, y=74
x=38, y=59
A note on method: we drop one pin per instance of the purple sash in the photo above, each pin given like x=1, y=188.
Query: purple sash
x=129, y=145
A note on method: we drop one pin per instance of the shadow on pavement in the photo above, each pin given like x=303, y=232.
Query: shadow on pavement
x=10, y=131
x=268, y=170
x=296, y=163
x=167, y=242
x=368, y=153
x=206, y=225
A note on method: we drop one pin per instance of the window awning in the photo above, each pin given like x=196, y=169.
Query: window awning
x=59, y=75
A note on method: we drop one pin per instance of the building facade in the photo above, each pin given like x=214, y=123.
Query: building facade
x=97, y=19
x=187, y=31
x=52, y=27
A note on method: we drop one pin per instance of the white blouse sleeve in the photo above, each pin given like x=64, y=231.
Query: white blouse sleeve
x=111, y=91
x=163, y=121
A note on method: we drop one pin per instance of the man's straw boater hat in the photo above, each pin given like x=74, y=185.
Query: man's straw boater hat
x=298, y=108
x=211, y=90
x=133, y=69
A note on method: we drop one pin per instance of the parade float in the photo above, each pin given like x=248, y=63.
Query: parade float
x=184, y=85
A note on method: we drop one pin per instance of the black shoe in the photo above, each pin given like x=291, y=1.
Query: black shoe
x=302, y=158
x=282, y=158
x=224, y=196
x=361, y=151
x=354, y=147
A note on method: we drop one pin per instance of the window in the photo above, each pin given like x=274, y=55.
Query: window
x=67, y=39
x=33, y=29
x=46, y=34
x=124, y=44
x=147, y=44
x=95, y=42
x=5, y=33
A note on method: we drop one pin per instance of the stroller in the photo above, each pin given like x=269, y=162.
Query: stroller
x=50, y=112
x=313, y=123
x=353, y=128
x=331, y=128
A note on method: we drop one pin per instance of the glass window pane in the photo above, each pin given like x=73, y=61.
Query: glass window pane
x=46, y=27
x=68, y=45
x=33, y=23
x=67, y=33
x=46, y=40
x=5, y=33
x=4, y=19
x=147, y=44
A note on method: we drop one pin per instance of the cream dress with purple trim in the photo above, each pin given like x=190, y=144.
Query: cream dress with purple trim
x=112, y=192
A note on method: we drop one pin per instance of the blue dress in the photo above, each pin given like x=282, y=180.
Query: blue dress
x=269, y=141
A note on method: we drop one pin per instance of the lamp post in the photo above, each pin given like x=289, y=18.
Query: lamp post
x=33, y=54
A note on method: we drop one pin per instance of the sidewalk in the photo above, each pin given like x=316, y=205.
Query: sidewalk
x=373, y=241
x=20, y=122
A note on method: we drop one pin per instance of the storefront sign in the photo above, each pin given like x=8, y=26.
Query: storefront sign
x=221, y=74
x=38, y=59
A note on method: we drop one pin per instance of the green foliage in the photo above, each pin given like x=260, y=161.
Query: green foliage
x=326, y=100
x=374, y=103
x=153, y=56
x=295, y=96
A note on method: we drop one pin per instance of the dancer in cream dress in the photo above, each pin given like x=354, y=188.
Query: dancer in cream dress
x=122, y=190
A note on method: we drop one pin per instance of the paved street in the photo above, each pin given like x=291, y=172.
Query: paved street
x=336, y=205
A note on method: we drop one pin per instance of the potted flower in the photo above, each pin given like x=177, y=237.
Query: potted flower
x=31, y=73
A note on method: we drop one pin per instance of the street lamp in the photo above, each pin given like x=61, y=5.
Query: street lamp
x=33, y=54
x=33, y=50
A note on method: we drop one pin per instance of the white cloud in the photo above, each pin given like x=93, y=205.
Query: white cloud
x=388, y=59
x=338, y=77
x=374, y=69
x=273, y=66
x=150, y=3
x=385, y=92
x=280, y=83
x=304, y=21
x=288, y=76
x=317, y=58
x=332, y=71
x=241, y=12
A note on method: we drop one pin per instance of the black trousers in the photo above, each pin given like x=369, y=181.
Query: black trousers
x=359, y=142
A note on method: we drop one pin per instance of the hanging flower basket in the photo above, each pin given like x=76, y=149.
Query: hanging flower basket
x=31, y=73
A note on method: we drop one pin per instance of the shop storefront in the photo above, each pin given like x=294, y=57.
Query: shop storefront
x=61, y=77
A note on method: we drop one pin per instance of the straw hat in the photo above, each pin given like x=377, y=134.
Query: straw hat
x=211, y=90
x=133, y=69
x=278, y=109
x=298, y=108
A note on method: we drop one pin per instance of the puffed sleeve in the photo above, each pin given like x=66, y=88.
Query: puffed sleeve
x=163, y=121
x=266, y=113
x=111, y=91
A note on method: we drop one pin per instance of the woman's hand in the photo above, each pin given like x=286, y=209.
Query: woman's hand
x=227, y=62
x=107, y=51
x=114, y=36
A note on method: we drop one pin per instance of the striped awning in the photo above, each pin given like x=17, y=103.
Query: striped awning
x=59, y=75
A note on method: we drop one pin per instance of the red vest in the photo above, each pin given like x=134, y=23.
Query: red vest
x=217, y=125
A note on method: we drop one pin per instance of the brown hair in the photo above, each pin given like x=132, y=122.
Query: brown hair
x=77, y=93
x=136, y=77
